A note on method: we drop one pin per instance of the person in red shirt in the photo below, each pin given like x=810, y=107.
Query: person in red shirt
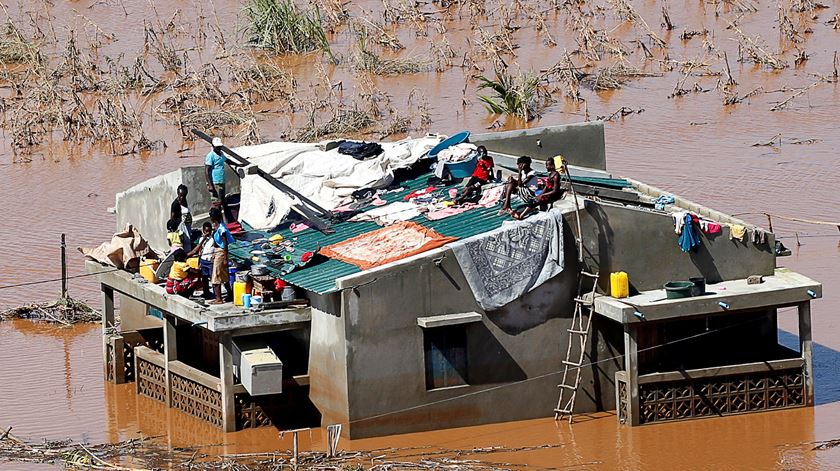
x=482, y=174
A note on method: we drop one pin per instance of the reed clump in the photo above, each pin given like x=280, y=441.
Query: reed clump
x=283, y=27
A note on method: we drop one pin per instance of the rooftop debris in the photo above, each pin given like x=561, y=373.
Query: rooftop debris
x=66, y=311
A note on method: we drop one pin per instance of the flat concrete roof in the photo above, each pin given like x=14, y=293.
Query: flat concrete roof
x=224, y=318
x=785, y=287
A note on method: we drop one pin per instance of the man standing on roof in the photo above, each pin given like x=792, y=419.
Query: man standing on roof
x=180, y=211
x=214, y=171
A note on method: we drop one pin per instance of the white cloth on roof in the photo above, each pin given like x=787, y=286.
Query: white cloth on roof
x=325, y=177
x=387, y=215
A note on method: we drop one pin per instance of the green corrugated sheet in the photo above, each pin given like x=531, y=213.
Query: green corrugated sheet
x=321, y=274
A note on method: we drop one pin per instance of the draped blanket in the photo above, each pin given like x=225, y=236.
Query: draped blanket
x=504, y=264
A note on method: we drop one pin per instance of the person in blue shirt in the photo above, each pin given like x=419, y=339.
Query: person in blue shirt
x=222, y=239
x=214, y=171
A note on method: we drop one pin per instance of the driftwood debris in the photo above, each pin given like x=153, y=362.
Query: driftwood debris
x=66, y=311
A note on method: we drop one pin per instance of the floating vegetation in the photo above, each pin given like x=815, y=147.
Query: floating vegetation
x=141, y=454
x=281, y=26
x=365, y=59
x=16, y=49
x=344, y=121
x=66, y=311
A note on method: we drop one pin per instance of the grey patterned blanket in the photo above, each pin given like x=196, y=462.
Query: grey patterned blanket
x=508, y=262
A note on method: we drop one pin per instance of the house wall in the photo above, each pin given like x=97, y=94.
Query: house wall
x=147, y=204
x=644, y=244
x=513, y=354
x=328, y=359
x=582, y=144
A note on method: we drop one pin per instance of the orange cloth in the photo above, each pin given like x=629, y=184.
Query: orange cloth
x=386, y=245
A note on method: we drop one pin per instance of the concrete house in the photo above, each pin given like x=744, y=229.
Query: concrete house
x=407, y=346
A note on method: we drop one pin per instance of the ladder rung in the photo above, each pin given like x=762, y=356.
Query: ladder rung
x=562, y=411
x=571, y=363
x=590, y=275
x=581, y=332
x=588, y=302
x=566, y=386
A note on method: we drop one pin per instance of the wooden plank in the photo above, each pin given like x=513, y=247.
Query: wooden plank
x=744, y=368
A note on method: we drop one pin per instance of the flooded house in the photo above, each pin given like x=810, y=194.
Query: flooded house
x=419, y=319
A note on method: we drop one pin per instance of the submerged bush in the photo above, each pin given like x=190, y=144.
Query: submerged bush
x=279, y=25
x=514, y=95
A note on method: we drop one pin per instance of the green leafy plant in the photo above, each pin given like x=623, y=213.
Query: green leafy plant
x=513, y=95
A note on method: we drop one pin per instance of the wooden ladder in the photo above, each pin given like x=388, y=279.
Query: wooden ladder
x=578, y=335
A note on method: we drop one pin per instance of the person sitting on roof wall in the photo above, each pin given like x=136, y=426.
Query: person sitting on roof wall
x=205, y=250
x=482, y=174
x=525, y=184
x=214, y=172
x=222, y=239
x=180, y=211
x=183, y=279
x=548, y=191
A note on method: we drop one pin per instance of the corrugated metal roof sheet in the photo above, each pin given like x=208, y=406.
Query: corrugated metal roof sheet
x=320, y=275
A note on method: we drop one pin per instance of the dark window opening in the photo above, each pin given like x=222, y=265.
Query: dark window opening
x=446, y=356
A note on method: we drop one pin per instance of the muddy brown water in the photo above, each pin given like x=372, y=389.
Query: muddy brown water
x=50, y=378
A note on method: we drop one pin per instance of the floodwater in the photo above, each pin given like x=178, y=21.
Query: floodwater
x=50, y=378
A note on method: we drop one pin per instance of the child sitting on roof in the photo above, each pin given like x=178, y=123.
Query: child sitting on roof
x=548, y=191
x=182, y=279
x=482, y=174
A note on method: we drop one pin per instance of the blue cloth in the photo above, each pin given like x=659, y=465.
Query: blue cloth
x=659, y=203
x=222, y=237
x=218, y=163
x=689, y=237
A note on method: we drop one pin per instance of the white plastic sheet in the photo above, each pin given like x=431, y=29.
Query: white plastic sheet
x=326, y=177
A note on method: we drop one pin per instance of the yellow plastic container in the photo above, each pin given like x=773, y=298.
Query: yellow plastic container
x=192, y=262
x=148, y=266
x=619, y=285
x=240, y=288
x=276, y=239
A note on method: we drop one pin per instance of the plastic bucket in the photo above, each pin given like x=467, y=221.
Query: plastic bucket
x=256, y=300
x=246, y=301
x=455, y=139
x=678, y=289
x=463, y=169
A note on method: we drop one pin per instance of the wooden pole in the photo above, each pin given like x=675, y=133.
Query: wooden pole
x=63, y=267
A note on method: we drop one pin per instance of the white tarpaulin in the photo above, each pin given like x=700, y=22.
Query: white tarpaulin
x=325, y=177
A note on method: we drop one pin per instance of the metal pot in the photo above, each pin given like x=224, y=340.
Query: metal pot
x=259, y=270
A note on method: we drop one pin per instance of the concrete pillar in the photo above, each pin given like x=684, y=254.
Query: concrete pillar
x=631, y=367
x=170, y=352
x=108, y=320
x=226, y=377
x=805, y=349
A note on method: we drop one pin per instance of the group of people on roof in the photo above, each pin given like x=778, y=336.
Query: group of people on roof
x=209, y=246
x=534, y=191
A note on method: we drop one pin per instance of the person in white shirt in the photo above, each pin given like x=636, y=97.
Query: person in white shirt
x=525, y=185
